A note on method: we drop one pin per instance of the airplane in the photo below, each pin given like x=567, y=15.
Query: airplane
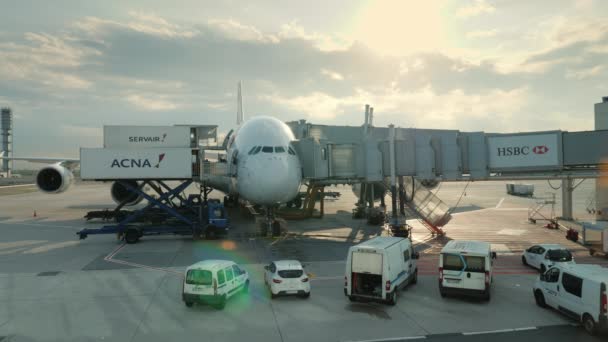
x=263, y=167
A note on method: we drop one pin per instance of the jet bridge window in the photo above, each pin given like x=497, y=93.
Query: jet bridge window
x=279, y=149
x=267, y=149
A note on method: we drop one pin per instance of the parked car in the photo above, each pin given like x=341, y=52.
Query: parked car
x=465, y=268
x=545, y=256
x=213, y=282
x=578, y=291
x=287, y=277
x=378, y=268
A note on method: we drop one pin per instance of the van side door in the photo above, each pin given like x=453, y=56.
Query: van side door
x=571, y=293
x=407, y=262
x=550, y=287
x=239, y=276
x=230, y=286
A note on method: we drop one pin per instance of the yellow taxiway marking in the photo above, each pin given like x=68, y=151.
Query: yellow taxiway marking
x=50, y=247
x=22, y=243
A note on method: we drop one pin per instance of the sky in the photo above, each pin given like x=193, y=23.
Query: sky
x=69, y=67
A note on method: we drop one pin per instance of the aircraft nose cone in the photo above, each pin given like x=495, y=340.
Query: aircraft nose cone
x=269, y=180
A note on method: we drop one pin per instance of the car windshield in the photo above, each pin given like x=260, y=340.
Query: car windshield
x=198, y=277
x=559, y=255
x=291, y=273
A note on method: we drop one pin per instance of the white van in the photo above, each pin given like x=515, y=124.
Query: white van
x=213, y=282
x=578, y=291
x=377, y=269
x=465, y=267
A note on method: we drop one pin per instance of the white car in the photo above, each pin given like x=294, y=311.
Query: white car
x=545, y=256
x=287, y=277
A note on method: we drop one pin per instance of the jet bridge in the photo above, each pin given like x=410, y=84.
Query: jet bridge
x=362, y=154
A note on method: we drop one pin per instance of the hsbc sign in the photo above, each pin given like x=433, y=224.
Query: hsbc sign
x=515, y=151
x=521, y=150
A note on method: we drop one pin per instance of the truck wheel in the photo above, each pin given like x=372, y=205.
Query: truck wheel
x=524, y=261
x=246, y=287
x=540, y=299
x=221, y=304
x=589, y=324
x=306, y=295
x=210, y=233
x=543, y=269
x=352, y=299
x=131, y=236
x=415, y=279
x=442, y=293
x=486, y=296
x=189, y=304
x=392, y=300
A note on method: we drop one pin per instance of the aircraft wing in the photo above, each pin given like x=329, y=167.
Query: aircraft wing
x=66, y=162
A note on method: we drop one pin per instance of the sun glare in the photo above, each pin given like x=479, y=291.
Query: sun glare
x=400, y=27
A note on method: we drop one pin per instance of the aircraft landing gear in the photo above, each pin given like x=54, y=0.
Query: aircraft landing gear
x=271, y=224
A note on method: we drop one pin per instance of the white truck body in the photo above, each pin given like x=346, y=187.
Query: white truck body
x=378, y=268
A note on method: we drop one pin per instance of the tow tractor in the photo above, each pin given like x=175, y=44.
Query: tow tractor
x=169, y=213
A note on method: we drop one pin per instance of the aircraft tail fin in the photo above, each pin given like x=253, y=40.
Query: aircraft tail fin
x=239, y=112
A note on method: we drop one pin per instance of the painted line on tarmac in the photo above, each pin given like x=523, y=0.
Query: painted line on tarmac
x=498, y=331
x=38, y=225
x=110, y=258
x=408, y=338
x=14, y=186
x=499, y=203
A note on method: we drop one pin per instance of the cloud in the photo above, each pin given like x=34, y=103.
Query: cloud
x=482, y=34
x=583, y=74
x=234, y=30
x=151, y=103
x=147, y=23
x=332, y=75
x=477, y=7
x=82, y=131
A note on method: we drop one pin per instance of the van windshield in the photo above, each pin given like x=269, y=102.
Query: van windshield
x=475, y=264
x=198, y=277
x=559, y=255
x=290, y=273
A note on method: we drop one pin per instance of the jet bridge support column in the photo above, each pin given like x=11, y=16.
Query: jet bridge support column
x=567, y=188
x=601, y=185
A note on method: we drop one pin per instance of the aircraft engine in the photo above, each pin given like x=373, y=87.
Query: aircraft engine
x=379, y=190
x=429, y=183
x=54, y=179
x=120, y=193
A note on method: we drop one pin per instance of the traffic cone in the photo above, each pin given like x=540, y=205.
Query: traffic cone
x=35, y=213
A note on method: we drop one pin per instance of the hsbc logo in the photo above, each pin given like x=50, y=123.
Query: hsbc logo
x=137, y=163
x=521, y=150
x=540, y=149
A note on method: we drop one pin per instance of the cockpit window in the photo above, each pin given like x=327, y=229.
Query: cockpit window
x=291, y=151
x=267, y=149
x=279, y=149
x=257, y=150
x=252, y=150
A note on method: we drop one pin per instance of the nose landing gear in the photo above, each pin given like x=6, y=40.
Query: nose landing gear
x=270, y=224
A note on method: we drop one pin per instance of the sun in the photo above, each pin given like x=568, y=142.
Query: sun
x=400, y=27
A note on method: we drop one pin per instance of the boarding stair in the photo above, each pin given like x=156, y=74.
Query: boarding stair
x=422, y=204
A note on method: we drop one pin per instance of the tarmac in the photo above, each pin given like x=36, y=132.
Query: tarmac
x=54, y=287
